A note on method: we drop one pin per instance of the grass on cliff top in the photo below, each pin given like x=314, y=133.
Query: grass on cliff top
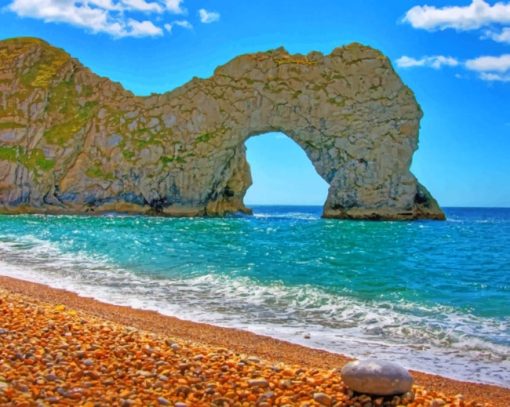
x=44, y=70
x=12, y=48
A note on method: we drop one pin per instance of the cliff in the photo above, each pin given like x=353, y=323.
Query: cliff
x=73, y=142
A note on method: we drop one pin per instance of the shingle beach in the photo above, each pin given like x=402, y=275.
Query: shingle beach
x=57, y=348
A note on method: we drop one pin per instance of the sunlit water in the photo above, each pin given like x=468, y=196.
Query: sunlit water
x=434, y=296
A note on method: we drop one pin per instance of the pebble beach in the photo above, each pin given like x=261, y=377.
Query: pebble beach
x=57, y=348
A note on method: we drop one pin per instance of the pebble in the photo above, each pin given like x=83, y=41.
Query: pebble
x=163, y=401
x=260, y=382
x=322, y=398
x=105, y=363
x=437, y=403
x=407, y=397
x=63, y=392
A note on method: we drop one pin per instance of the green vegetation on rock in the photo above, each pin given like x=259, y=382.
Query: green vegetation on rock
x=128, y=154
x=33, y=160
x=9, y=153
x=62, y=98
x=97, y=172
x=204, y=138
x=167, y=159
x=42, y=73
x=37, y=159
x=61, y=133
x=10, y=125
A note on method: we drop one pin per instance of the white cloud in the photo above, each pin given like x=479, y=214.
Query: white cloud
x=499, y=64
x=495, y=77
x=106, y=4
x=118, y=18
x=474, y=16
x=207, y=17
x=174, y=6
x=184, y=24
x=143, y=29
x=501, y=36
x=142, y=5
x=168, y=27
x=436, y=62
x=490, y=68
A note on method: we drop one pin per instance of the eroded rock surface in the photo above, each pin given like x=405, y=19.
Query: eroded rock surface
x=73, y=142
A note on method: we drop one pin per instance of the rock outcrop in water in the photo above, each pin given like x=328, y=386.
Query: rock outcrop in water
x=73, y=142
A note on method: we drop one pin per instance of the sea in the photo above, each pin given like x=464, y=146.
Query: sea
x=433, y=296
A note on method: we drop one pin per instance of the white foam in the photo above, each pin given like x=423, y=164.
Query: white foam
x=435, y=339
x=286, y=215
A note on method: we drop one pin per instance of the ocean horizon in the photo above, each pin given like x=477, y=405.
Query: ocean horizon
x=431, y=295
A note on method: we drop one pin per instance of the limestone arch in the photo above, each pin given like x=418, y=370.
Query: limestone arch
x=86, y=144
x=350, y=113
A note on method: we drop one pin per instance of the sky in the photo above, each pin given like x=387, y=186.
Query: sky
x=454, y=54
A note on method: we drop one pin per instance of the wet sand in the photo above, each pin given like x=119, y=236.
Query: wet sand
x=234, y=343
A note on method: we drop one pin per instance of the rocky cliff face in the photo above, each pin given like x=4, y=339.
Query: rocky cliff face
x=73, y=142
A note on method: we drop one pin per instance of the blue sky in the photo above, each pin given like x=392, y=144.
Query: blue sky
x=454, y=54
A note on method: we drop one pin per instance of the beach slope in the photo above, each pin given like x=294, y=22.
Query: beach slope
x=59, y=348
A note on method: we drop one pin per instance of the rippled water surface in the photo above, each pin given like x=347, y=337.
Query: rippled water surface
x=434, y=296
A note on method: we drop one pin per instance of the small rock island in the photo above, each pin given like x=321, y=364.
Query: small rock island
x=74, y=142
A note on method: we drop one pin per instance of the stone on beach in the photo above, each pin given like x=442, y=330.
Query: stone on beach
x=376, y=377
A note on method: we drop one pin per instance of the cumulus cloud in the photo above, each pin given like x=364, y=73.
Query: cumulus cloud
x=474, y=16
x=207, y=17
x=436, y=62
x=119, y=18
x=479, y=14
x=142, y=5
x=179, y=23
x=495, y=77
x=499, y=64
x=488, y=68
x=499, y=36
x=143, y=28
x=174, y=6
x=184, y=24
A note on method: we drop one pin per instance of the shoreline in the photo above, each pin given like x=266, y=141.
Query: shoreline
x=236, y=340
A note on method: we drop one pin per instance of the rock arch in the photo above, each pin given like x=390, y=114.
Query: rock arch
x=81, y=143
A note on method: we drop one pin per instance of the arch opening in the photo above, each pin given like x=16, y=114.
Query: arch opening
x=282, y=174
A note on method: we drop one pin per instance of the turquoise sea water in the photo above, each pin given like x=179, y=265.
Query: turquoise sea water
x=434, y=296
